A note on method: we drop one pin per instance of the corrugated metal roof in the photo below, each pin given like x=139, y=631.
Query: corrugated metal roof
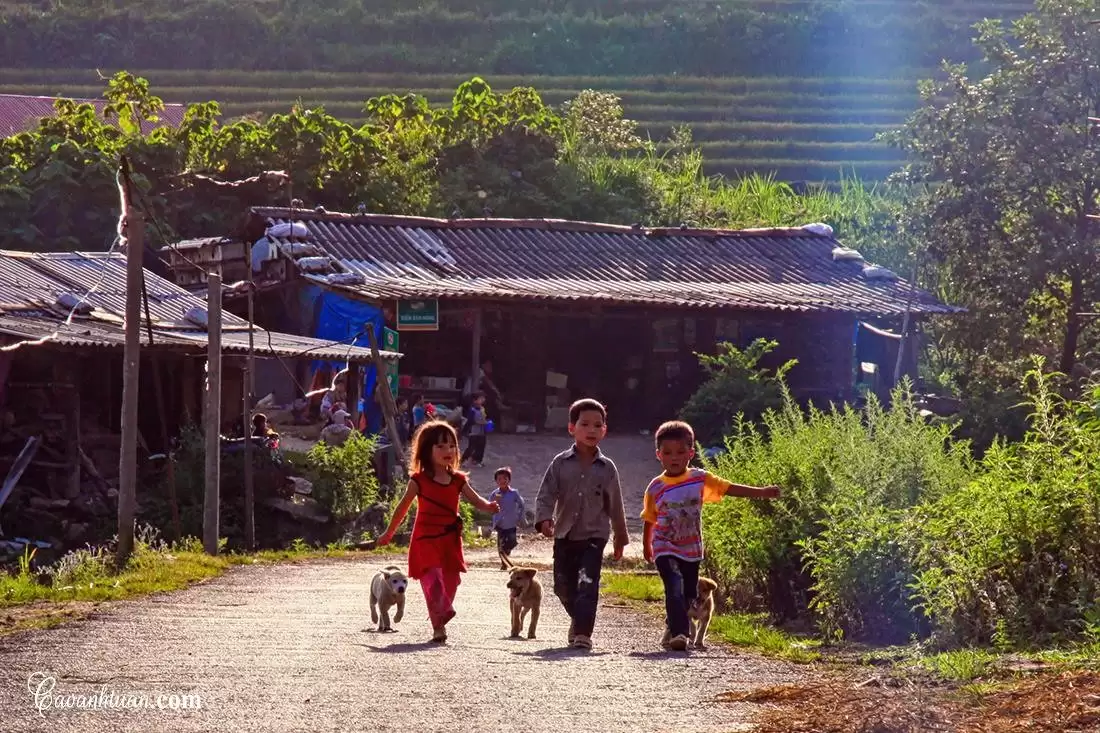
x=31, y=282
x=19, y=112
x=789, y=269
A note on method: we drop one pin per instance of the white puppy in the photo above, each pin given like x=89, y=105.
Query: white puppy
x=387, y=589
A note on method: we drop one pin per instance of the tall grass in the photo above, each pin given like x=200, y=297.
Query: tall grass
x=887, y=528
x=830, y=544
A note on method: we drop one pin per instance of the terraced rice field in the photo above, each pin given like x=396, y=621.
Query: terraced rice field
x=798, y=129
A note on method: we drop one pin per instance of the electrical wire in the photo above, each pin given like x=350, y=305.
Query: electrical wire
x=93, y=289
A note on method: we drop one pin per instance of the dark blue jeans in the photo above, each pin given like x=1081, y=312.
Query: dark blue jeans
x=681, y=580
x=577, y=565
x=506, y=540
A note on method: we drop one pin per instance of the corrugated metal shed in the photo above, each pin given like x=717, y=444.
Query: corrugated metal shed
x=789, y=269
x=30, y=284
x=20, y=112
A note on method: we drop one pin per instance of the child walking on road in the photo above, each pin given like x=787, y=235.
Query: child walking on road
x=507, y=520
x=435, y=550
x=580, y=498
x=475, y=427
x=672, y=512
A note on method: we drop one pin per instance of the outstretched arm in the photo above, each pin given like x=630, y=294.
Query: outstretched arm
x=399, y=514
x=475, y=498
x=753, y=492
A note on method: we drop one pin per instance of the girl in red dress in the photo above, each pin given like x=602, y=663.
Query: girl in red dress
x=435, y=550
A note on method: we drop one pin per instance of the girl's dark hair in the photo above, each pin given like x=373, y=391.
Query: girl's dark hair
x=427, y=437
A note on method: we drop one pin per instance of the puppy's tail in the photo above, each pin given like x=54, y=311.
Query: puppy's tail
x=506, y=560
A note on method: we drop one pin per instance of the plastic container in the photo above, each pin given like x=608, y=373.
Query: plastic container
x=489, y=426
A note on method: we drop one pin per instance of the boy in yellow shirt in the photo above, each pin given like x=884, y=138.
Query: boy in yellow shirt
x=672, y=512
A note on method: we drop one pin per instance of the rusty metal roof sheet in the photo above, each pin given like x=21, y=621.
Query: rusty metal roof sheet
x=31, y=282
x=21, y=112
x=789, y=269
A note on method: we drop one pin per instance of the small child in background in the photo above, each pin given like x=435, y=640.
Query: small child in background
x=508, y=519
x=475, y=429
x=419, y=412
x=672, y=512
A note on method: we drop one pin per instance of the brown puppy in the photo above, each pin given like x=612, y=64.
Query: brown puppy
x=700, y=611
x=525, y=595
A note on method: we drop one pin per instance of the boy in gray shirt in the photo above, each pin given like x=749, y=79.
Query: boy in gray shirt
x=510, y=516
x=579, y=502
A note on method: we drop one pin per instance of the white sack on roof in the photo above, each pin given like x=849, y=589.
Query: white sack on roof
x=262, y=251
x=301, y=249
x=874, y=272
x=822, y=230
x=345, y=278
x=197, y=315
x=288, y=229
x=843, y=254
x=314, y=264
x=75, y=303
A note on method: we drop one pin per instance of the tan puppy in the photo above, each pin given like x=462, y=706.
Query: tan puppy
x=700, y=611
x=525, y=595
x=387, y=589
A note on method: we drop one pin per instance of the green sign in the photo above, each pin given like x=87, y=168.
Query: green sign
x=390, y=341
x=418, y=315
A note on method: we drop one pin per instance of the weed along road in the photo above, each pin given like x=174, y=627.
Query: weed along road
x=289, y=647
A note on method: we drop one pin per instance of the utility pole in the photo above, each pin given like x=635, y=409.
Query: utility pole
x=133, y=231
x=249, y=389
x=213, y=418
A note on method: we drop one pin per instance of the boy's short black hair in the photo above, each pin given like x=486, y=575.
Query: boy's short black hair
x=476, y=396
x=505, y=470
x=586, y=405
x=675, y=430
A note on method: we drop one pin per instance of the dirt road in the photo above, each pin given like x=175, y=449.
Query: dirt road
x=289, y=648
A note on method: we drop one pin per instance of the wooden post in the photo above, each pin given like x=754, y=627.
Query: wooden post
x=355, y=381
x=249, y=389
x=68, y=394
x=905, y=326
x=389, y=407
x=475, y=360
x=158, y=388
x=131, y=372
x=212, y=417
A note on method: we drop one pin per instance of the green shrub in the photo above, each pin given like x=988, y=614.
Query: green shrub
x=735, y=386
x=343, y=476
x=1014, y=557
x=837, y=542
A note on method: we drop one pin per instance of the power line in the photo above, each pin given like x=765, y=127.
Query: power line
x=68, y=320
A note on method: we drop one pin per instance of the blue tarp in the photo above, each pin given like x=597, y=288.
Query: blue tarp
x=339, y=319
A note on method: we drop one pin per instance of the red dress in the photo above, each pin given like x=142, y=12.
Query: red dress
x=437, y=532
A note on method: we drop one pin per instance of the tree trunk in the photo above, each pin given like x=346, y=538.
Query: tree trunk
x=1073, y=324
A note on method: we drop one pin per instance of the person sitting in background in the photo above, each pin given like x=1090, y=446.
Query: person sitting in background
x=337, y=431
x=337, y=395
x=260, y=428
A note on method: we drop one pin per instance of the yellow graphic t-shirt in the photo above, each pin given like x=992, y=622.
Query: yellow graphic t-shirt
x=674, y=506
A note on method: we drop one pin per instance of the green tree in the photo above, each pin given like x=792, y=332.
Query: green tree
x=1012, y=176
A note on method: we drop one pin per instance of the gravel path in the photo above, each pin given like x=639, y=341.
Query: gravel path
x=289, y=648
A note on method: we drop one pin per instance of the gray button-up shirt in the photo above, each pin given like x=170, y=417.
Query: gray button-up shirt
x=583, y=501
